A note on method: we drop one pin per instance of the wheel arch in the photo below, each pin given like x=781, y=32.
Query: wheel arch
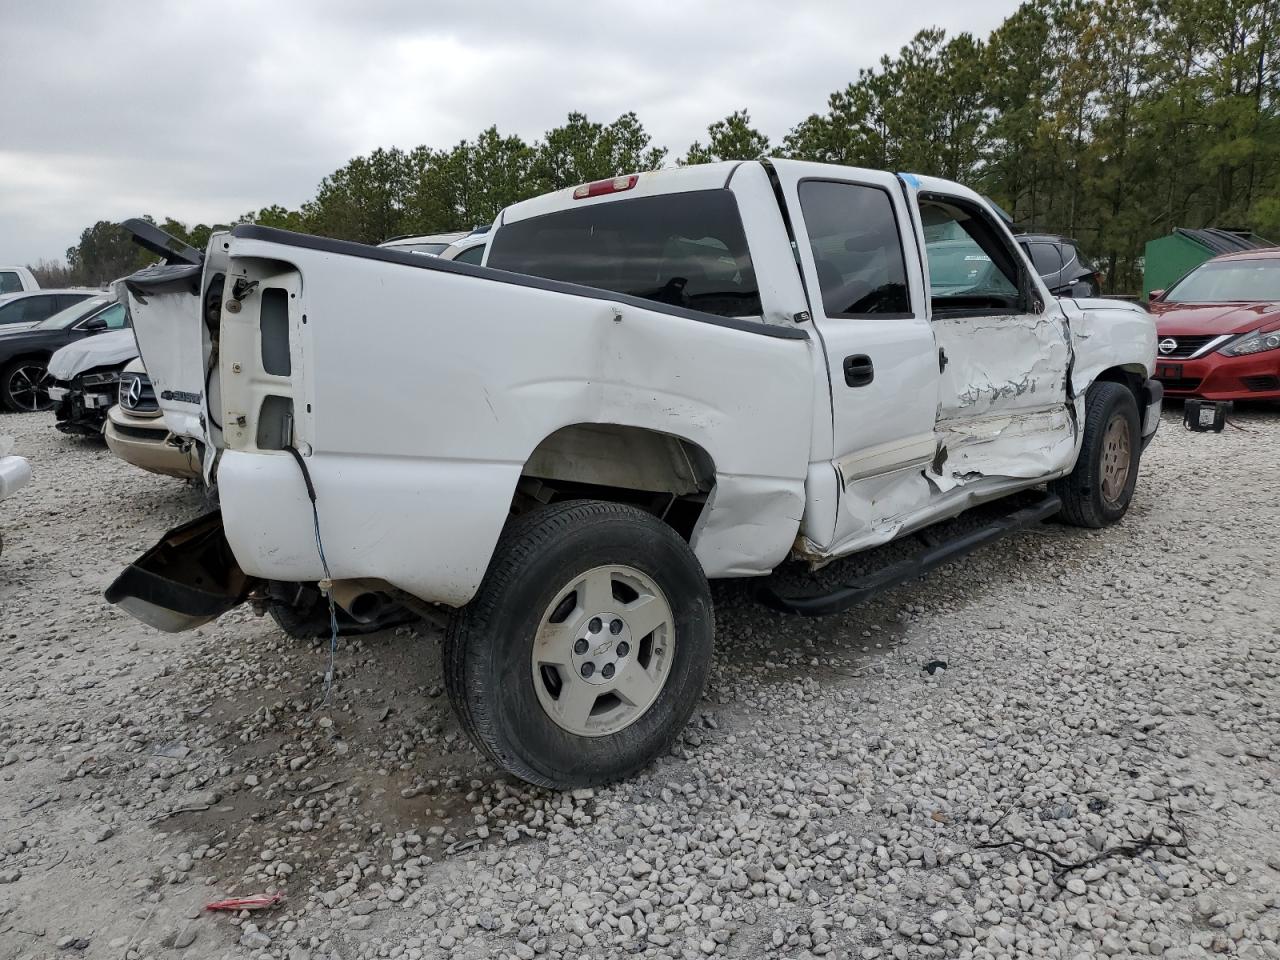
x=1130, y=375
x=42, y=355
x=665, y=473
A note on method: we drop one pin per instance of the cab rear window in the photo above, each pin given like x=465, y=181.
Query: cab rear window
x=681, y=249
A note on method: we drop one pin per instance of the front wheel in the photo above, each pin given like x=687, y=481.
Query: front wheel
x=586, y=648
x=1099, y=489
x=20, y=390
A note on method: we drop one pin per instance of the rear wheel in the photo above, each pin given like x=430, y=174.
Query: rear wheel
x=1098, y=491
x=20, y=390
x=585, y=649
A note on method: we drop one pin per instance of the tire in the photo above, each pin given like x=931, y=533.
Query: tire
x=18, y=377
x=1093, y=494
x=559, y=575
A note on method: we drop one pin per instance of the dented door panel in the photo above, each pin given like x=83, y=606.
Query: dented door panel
x=1005, y=407
x=1003, y=399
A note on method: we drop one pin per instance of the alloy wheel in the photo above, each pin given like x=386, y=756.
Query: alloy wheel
x=603, y=651
x=25, y=390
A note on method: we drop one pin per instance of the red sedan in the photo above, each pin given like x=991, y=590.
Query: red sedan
x=1218, y=329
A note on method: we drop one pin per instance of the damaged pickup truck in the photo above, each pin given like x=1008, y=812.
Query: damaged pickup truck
x=651, y=381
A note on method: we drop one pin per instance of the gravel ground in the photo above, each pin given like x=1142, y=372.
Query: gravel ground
x=1096, y=770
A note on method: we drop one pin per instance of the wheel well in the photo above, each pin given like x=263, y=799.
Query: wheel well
x=658, y=472
x=1125, y=376
x=38, y=355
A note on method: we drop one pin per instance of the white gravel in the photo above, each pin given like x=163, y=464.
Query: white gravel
x=1096, y=771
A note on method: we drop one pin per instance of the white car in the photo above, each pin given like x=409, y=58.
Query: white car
x=17, y=279
x=14, y=472
x=432, y=244
x=654, y=380
x=468, y=249
x=83, y=379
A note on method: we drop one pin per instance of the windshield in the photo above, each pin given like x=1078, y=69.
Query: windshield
x=1229, y=281
x=682, y=249
x=65, y=318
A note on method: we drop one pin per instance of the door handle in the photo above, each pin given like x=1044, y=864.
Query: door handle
x=858, y=370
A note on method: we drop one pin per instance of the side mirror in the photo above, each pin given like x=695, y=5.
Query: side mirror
x=1156, y=296
x=96, y=325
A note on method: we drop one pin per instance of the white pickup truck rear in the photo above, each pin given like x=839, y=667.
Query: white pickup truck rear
x=653, y=380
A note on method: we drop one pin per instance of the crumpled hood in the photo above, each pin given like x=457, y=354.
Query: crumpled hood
x=1213, y=318
x=108, y=349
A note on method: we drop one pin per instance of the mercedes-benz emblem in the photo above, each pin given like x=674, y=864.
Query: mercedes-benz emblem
x=134, y=394
x=1168, y=345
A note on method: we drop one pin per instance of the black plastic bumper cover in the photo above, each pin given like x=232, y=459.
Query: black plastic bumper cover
x=1152, y=396
x=187, y=579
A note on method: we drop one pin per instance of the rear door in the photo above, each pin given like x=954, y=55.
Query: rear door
x=1005, y=344
x=866, y=290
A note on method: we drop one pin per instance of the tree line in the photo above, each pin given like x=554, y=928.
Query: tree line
x=1111, y=121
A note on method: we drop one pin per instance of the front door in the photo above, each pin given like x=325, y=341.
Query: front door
x=1006, y=347
x=866, y=290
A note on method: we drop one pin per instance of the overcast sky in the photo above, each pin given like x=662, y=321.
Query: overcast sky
x=202, y=111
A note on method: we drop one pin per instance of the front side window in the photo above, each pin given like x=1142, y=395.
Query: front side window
x=857, y=249
x=1229, y=281
x=681, y=249
x=971, y=267
x=10, y=282
x=116, y=316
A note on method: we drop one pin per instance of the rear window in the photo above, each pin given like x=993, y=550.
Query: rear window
x=10, y=282
x=682, y=249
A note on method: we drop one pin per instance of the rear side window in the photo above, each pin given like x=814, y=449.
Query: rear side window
x=10, y=282
x=471, y=255
x=1048, y=258
x=857, y=249
x=682, y=249
x=28, y=309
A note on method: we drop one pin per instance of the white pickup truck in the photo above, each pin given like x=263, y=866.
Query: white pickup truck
x=651, y=381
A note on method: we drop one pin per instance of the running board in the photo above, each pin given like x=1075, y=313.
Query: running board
x=851, y=594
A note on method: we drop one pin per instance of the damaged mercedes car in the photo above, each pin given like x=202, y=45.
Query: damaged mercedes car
x=83, y=377
x=651, y=381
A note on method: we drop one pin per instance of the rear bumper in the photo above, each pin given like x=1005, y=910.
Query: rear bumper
x=147, y=443
x=1218, y=377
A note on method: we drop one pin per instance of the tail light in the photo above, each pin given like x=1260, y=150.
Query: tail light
x=598, y=188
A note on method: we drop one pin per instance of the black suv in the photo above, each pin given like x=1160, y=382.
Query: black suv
x=24, y=354
x=1061, y=265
